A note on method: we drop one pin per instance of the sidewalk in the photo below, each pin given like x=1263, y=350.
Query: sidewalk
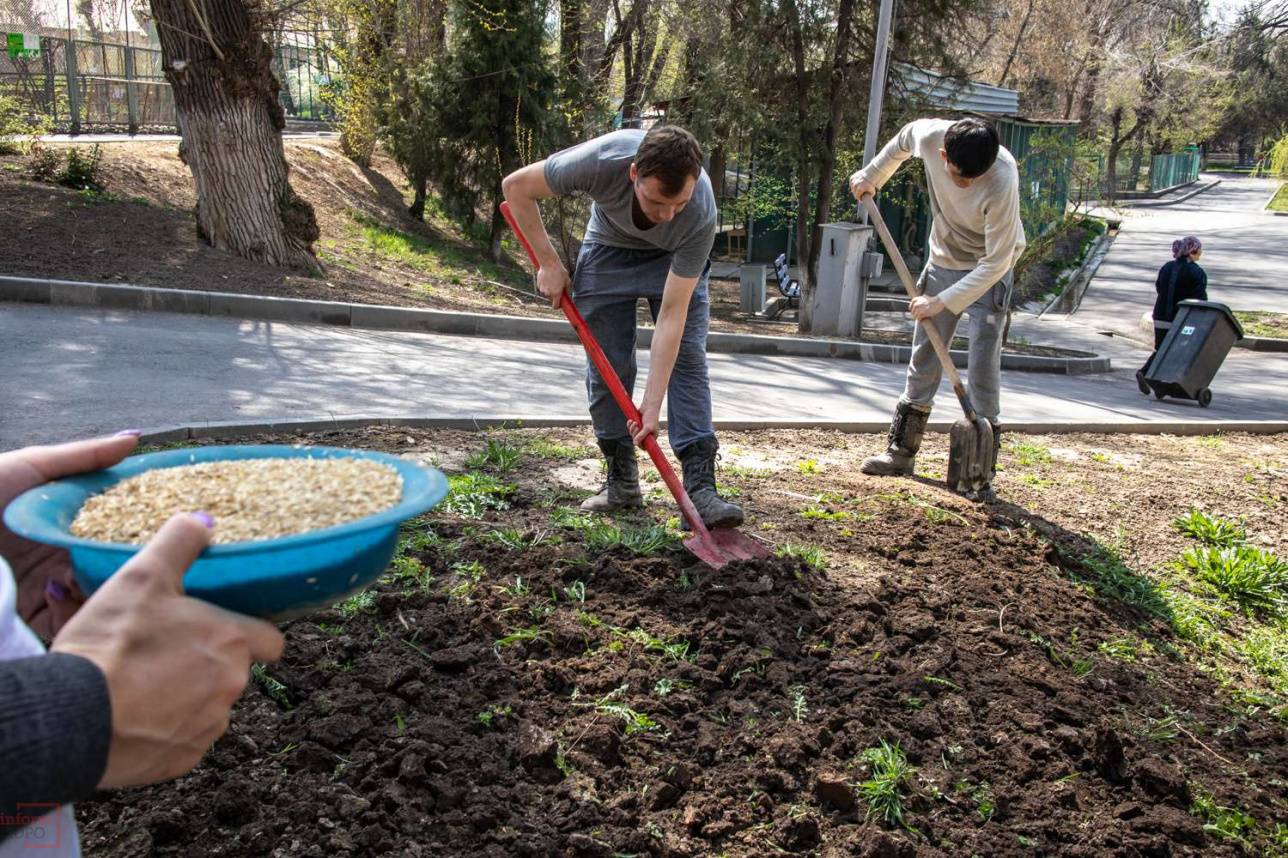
x=71, y=372
x=1245, y=254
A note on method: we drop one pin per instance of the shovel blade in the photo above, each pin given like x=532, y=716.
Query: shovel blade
x=970, y=450
x=719, y=547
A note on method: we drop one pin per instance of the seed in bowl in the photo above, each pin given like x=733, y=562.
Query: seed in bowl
x=250, y=499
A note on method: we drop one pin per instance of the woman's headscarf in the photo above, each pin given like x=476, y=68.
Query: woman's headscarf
x=1183, y=247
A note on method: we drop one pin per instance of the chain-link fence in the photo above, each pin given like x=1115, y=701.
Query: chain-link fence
x=98, y=64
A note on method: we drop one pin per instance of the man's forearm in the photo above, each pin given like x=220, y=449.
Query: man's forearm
x=667, y=336
x=522, y=189
x=528, y=216
x=887, y=161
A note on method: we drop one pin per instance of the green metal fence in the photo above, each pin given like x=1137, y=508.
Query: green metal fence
x=1169, y=171
x=106, y=85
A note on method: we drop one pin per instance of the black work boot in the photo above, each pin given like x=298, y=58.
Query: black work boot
x=906, y=431
x=699, y=462
x=622, y=484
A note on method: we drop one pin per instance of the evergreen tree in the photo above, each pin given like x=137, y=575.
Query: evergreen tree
x=488, y=102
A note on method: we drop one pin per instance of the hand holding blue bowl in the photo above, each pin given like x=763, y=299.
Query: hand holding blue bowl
x=271, y=578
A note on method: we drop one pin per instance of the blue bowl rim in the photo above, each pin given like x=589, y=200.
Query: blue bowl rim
x=423, y=488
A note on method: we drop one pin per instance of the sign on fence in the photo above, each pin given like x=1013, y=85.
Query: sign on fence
x=23, y=46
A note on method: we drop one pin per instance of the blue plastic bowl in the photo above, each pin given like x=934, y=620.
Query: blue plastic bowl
x=271, y=578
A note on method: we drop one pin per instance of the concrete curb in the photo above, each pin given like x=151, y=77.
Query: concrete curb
x=1154, y=203
x=1262, y=344
x=378, y=317
x=1067, y=302
x=223, y=430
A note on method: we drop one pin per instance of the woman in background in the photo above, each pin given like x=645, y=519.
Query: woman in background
x=1179, y=280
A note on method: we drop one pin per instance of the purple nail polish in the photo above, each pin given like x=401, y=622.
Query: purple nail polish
x=135, y=432
x=205, y=518
x=55, y=590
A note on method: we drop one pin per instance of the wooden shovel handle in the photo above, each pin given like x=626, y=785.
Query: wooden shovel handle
x=909, y=285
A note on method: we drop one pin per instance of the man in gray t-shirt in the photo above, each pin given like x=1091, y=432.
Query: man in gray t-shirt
x=650, y=232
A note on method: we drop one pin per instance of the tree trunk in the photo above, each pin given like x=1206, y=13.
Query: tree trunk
x=570, y=49
x=827, y=152
x=1111, y=165
x=717, y=170
x=417, y=207
x=230, y=123
x=1015, y=48
x=804, y=161
x=1116, y=142
x=1136, y=159
x=507, y=151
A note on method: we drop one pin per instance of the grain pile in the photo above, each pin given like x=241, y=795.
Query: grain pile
x=250, y=499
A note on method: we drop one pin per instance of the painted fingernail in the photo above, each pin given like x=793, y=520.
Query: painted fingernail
x=55, y=590
x=205, y=518
x=135, y=432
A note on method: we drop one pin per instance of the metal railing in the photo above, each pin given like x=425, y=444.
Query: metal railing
x=100, y=84
x=1170, y=171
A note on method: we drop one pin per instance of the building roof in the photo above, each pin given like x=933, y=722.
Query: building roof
x=954, y=94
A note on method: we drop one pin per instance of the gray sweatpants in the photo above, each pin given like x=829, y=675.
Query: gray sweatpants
x=987, y=322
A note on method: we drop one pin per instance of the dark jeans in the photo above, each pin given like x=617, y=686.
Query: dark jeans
x=607, y=285
x=1160, y=334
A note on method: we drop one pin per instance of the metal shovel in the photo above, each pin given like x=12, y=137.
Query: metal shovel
x=970, y=445
x=713, y=547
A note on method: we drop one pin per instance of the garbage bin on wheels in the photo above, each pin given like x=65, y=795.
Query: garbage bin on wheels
x=1201, y=335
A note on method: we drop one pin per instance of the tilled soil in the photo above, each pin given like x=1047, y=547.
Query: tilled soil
x=580, y=702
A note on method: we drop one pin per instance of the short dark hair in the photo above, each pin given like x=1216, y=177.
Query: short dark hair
x=671, y=155
x=972, y=146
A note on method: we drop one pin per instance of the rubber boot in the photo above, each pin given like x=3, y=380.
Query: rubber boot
x=699, y=463
x=621, y=488
x=906, y=431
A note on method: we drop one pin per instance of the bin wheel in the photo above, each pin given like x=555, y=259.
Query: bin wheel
x=1205, y=397
x=1158, y=394
x=1140, y=382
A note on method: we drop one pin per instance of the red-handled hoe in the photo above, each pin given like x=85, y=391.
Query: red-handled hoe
x=713, y=547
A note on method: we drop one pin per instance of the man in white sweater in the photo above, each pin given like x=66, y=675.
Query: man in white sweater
x=975, y=240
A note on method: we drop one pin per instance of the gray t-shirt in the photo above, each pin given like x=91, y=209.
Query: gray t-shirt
x=601, y=169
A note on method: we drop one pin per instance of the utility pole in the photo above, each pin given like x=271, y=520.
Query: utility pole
x=880, y=61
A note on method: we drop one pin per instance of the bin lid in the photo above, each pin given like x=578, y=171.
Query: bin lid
x=1220, y=308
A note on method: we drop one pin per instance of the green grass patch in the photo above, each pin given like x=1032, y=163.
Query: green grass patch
x=811, y=555
x=633, y=721
x=1210, y=530
x=275, y=690
x=1250, y=577
x=747, y=472
x=498, y=455
x=473, y=494
x=357, y=604
x=546, y=449
x=1027, y=454
x=1279, y=202
x=1226, y=823
x=1257, y=323
x=815, y=512
x=443, y=261
x=888, y=785
x=601, y=534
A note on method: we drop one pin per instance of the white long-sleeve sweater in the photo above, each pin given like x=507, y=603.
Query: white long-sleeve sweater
x=974, y=229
